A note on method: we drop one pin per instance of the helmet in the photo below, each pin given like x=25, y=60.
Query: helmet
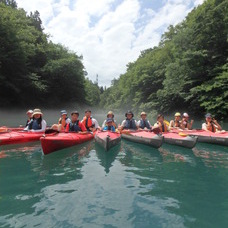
x=177, y=114
x=185, y=114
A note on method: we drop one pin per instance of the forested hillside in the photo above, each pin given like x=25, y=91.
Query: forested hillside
x=187, y=71
x=33, y=70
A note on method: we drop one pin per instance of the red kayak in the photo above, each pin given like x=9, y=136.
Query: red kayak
x=144, y=137
x=220, y=138
x=58, y=141
x=19, y=137
x=8, y=129
x=180, y=139
x=107, y=139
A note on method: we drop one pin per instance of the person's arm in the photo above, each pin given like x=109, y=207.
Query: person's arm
x=171, y=124
x=96, y=125
x=149, y=124
x=67, y=127
x=82, y=126
x=122, y=125
x=26, y=129
x=204, y=127
x=182, y=125
x=114, y=123
x=190, y=125
x=104, y=123
x=217, y=125
x=139, y=124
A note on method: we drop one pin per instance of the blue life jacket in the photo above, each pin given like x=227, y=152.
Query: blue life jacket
x=144, y=123
x=109, y=128
x=130, y=124
x=35, y=124
x=74, y=127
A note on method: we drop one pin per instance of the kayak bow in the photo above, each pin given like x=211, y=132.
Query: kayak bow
x=107, y=139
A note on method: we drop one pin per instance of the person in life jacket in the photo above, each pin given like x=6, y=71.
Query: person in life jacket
x=185, y=124
x=37, y=123
x=161, y=124
x=90, y=123
x=110, y=115
x=75, y=125
x=211, y=124
x=129, y=123
x=29, y=115
x=143, y=122
x=109, y=125
x=176, y=123
x=62, y=122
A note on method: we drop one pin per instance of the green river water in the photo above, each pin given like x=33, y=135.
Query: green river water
x=130, y=186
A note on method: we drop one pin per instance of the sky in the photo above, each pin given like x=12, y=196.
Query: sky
x=108, y=33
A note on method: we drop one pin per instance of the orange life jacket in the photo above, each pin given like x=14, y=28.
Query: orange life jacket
x=87, y=122
x=162, y=127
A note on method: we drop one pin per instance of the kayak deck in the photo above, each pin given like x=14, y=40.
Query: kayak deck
x=210, y=137
x=178, y=140
x=19, y=137
x=143, y=137
x=107, y=139
x=58, y=141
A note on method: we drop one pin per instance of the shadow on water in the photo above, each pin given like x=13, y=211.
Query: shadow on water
x=106, y=158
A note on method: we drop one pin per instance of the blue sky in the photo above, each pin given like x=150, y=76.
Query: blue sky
x=108, y=33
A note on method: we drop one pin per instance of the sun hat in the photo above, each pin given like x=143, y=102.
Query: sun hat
x=87, y=110
x=109, y=120
x=129, y=112
x=37, y=111
x=75, y=112
x=208, y=115
x=110, y=113
x=143, y=113
x=29, y=111
x=177, y=114
x=63, y=112
x=185, y=114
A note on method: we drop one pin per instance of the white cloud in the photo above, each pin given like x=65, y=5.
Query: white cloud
x=108, y=33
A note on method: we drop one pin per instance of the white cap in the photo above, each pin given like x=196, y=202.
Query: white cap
x=185, y=114
x=29, y=111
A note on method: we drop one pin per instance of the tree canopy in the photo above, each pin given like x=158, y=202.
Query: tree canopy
x=187, y=71
x=34, y=70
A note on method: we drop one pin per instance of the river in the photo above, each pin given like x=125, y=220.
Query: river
x=130, y=186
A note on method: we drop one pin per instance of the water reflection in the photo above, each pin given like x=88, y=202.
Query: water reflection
x=107, y=157
x=131, y=185
x=213, y=156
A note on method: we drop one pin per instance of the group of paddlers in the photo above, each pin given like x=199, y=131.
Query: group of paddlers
x=36, y=122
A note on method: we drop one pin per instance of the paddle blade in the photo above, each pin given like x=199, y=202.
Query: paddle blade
x=183, y=134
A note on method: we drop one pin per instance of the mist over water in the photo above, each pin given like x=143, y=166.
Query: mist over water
x=16, y=117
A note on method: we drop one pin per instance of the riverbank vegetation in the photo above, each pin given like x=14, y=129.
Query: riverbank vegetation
x=34, y=70
x=188, y=70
